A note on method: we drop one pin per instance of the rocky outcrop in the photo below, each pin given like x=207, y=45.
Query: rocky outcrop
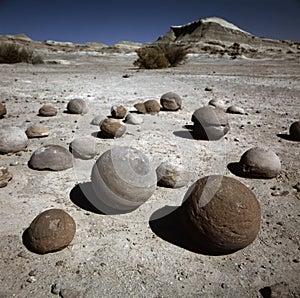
x=217, y=36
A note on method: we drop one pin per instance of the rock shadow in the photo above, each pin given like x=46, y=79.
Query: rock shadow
x=84, y=197
x=101, y=135
x=286, y=137
x=236, y=169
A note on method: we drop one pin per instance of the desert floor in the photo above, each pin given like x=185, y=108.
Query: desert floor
x=127, y=255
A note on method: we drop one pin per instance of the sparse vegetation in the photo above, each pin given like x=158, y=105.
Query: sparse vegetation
x=13, y=53
x=160, y=56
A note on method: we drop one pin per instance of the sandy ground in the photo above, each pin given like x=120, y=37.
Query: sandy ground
x=127, y=255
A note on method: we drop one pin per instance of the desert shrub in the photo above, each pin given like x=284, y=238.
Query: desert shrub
x=175, y=54
x=151, y=58
x=160, y=56
x=13, y=53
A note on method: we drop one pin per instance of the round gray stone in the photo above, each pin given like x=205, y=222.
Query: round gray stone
x=12, y=139
x=77, y=106
x=47, y=111
x=37, y=131
x=134, y=119
x=83, y=147
x=171, y=101
x=51, y=157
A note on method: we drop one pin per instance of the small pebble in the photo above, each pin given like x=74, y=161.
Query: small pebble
x=31, y=279
x=56, y=288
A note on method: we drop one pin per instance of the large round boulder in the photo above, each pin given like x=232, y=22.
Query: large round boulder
x=112, y=128
x=52, y=230
x=259, y=162
x=210, y=123
x=77, y=106
x=51, y=157
x=171, y=101
x=12, y=139
x=220, y=215
x=123, y=178
x=295, y=131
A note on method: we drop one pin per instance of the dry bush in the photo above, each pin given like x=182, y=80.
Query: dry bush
x=13, y=53
x=160, y=56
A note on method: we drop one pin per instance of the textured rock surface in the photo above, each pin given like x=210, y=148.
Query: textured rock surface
x=51, y=157
x=12, y=139
x=148, y=107
x=171, y=175
x=112, y=128
x=77, y=106
x=118, y=112
x=47, y=111
x=134, y=119
x=210, y=123
x=37, y=131
x=295, y=131
x=83, y=147
x=171, y=101
x=123, y=178
x=5, y=176
x=221, y=215
x=260, y=163
x=3, y=110
x=52, y=230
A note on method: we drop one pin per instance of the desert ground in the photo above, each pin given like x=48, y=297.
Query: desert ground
x=128, y=255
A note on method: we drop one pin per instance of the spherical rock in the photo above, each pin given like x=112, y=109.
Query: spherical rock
x=112, y=128
x=221, y=215
x=50, y=231
x=5, y=176
x=37, y=131
x=235, y=110
x=217, y=103
x=83, y=147
x=171, y=101
x=210, y=123
x=171, y=175
x=47, y=111
x=51, y=157
x=134, y=119
x=12, y=139
x=295, y=131
x=77, y=106
x=260, y=163
x=3, y=110
x=123, y=178
x=118, y=112
x=148, y=107
x=97, y=120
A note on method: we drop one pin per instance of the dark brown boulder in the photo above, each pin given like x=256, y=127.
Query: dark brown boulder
x=221, y=215
x=295, y=131
x=50, y=231
x=112, y=128
x=118, y=112
x=148, y=107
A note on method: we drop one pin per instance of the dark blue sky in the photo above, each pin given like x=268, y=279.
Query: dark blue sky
x=142, y=21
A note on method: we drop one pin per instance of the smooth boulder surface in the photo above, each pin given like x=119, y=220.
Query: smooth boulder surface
x=210, y=123
x=51, y=157
x=112, y=128
x=37, y=131
x=171, y=175
x=47, y=111
x=134, y=119
x=123, y=178
x=77, y=106
x=171, y=101
x=235, y=110
x=220, y=215
x=260, y=163
x=52, y=230
x=295, y=131
x=12, y=139
x=217, y=103
x=83, y=147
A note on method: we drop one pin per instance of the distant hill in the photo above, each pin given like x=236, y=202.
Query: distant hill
x=217, y=36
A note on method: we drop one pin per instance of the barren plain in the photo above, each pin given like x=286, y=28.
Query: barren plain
x=135, y=254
